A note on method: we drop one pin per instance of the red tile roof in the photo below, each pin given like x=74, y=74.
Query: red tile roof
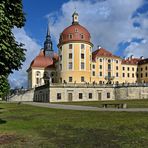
x=101, y=52
x=131, y=61
x=43, y=61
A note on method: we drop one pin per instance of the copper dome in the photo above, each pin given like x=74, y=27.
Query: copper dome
x=44, y=61
x=74, y=33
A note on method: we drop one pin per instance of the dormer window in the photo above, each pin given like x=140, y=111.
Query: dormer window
x=70, y=36
x=76, y=30
x=82, y=36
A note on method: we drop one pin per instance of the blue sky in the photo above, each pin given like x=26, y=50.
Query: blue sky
x=120, y=26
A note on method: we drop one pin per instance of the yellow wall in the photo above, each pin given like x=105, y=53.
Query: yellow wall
x=143, y=73
x=76, y=72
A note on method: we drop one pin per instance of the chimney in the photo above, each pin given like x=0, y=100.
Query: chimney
x=99, y=47
x=131, y=57
x=141, y=57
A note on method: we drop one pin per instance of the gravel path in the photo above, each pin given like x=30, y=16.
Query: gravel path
x=85, y=108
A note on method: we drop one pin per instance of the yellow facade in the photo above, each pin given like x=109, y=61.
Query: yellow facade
x=142, y=73
x=74, y=63
x=77, y=64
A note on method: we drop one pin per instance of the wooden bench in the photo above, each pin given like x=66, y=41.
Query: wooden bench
x=116, y=105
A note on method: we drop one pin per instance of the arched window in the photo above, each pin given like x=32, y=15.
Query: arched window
x=38, y=76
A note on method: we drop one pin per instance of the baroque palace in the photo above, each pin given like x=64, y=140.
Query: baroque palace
x=78, y=73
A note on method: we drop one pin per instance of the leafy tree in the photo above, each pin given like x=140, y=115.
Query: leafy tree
x=12, y=53
x=4, y=88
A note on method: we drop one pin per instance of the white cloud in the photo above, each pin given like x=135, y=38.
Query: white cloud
x=110, y=22
x=19, y=78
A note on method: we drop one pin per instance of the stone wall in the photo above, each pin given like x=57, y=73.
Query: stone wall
x=131, y=92
x=82, y=92
x=25, y=96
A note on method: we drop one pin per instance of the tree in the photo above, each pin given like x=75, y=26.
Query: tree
x=4, y=88
x=12, y=53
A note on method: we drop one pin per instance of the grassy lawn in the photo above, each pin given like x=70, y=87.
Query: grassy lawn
x=32, y=127
x=130, y=103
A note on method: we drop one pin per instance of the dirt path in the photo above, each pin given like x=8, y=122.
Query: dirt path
x=85, y=108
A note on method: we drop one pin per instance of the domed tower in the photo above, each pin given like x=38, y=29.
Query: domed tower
x=75, y=51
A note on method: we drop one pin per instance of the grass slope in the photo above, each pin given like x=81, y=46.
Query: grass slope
x=28, y=126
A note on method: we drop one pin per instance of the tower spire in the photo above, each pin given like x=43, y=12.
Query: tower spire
x=48, y=30
x=48, y=50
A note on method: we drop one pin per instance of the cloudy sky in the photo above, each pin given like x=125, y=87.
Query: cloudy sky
x=120, y=26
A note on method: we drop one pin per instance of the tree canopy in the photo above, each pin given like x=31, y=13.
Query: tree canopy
x=12, y=53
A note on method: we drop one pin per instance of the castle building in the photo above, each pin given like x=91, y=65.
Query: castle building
x=77, y=63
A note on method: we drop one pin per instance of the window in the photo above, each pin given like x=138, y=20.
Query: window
x=137, y=69
x=100, y=74
x=82, y=79
x=100, y=66
x=116, y=67
x=90, y=95
x=70, y=55
x=109, y=61
x=93, y=66
x=109, y=74
x=82, y=65
x=37, y=80
x=82, y=55
x=123, y=74
x=141, y=69
x=59, y=97
x=123, y=68
x=70, y=79
x=108, y=95
x=146, y=68
x=82, y=36
x=82, y=46
x=109, y=67
x=132, y=68
x=133, y=75
x=80, y=96
x=141, y=75
x=60, y=66
x=70, y=65
x=70, y=36
x=76, y=30
x=70, y=46
x=100, y=60
x=60, y=57
x=117, y=74
x=128, y=75
x=137, y=75
x=145, y=74
x=93, y=73
x=128, y=68
x=38, y=73
x=117, y=61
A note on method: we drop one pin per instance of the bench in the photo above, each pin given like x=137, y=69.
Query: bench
x=116, y=105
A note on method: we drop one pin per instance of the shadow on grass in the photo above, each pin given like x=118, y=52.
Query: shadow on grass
x=2, y=121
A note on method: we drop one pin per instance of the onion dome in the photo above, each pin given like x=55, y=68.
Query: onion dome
x=75, y=33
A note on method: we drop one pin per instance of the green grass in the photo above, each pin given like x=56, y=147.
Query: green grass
x=32, y=127
x=130, y=103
